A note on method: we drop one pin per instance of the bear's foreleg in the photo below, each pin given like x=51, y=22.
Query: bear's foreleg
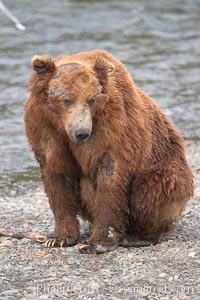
x=159, y=195
x=63, y=202
x=110, y=212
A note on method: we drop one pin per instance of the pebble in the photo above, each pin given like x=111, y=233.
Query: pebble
x=7, y=243
x=41, y=253
x=192, y=254
x=11, y=292
x=176, y=277
x=162, y=275
x=13, y=193
x=92, y=285
x=44, y=297
x=197, y=262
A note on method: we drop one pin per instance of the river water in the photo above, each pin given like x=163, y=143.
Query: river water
x=158, y=40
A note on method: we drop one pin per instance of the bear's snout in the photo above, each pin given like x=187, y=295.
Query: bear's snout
x=79, y=125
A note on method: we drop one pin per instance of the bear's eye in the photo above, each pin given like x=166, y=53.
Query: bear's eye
x=91, y=101
x=68, y=102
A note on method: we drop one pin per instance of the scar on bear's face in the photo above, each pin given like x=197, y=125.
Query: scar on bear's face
x=58, y=75
x=56, y=90
x=69, y=68
x=69, y=186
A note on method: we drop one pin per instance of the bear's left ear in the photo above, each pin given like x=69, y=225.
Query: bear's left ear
x=102, y=66
x=43, y=64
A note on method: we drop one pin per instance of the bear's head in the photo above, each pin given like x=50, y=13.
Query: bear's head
x=72, y=91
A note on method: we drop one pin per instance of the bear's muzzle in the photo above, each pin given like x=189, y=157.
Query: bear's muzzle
x=79, y=126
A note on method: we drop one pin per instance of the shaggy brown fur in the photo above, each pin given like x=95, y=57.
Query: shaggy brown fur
x=106, y=152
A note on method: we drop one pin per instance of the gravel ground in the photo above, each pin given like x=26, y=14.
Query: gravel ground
x=28, y=270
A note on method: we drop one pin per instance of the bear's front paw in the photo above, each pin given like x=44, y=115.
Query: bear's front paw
x=98, y=248
x=65, y=235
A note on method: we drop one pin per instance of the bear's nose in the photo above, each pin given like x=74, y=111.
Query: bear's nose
x=82, y=134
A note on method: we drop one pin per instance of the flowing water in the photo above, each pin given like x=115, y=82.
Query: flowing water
x=158, y=41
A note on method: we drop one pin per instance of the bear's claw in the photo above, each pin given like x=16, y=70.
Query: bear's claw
x=53, y=242
x=86, y=248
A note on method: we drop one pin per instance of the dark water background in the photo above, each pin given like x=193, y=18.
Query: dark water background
x=158, y=41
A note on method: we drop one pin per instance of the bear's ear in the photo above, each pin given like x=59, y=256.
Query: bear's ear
x=102, y=66
x=43, y=64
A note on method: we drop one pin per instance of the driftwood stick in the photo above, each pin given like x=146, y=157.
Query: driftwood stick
x=21, y=235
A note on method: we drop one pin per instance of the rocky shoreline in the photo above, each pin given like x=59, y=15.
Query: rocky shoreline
x=28, y=270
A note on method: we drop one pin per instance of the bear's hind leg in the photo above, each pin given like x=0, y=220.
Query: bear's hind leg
x=158, y=196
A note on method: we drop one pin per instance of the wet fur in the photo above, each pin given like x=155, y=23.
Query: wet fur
x=131, y=175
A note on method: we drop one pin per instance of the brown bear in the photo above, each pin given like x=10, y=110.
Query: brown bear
x=106, y=153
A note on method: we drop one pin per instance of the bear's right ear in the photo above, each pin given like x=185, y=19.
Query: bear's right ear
x=103, y=68
x=43, y=64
